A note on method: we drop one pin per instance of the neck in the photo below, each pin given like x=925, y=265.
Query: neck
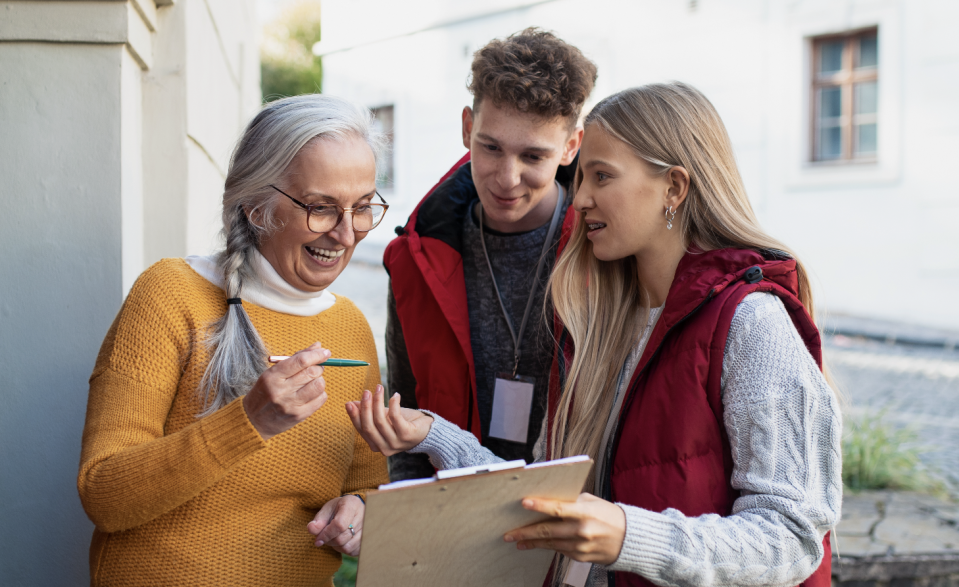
x=538, y=216
x=657, y=268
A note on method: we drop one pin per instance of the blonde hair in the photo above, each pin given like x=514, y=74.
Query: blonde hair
x=602, y=304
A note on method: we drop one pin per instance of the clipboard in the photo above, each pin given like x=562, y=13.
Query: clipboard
x=449, y=530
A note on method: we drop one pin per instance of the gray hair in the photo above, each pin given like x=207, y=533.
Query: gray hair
x=261, y=158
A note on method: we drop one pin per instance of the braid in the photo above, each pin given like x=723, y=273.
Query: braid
x=260, y=159
x=238, y=351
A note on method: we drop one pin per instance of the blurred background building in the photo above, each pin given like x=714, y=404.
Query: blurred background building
x=842, y=113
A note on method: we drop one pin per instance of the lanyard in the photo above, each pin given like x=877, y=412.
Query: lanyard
x=517, y=338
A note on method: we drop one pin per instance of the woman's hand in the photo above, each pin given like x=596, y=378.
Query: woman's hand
x=287, y=393
x=339, y=524
x=589, y=529
x=388, y=431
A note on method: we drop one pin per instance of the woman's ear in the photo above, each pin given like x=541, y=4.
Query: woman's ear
x=678, y=179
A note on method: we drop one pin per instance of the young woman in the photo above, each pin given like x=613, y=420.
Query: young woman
x=715, y=436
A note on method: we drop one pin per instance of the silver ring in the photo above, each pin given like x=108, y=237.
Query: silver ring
x=352, y=531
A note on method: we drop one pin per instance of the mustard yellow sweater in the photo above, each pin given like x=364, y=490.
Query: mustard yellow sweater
x=184, y=501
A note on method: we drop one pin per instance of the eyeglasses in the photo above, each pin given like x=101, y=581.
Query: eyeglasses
x=325, y=217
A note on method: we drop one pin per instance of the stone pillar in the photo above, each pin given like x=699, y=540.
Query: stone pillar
x=116, y=119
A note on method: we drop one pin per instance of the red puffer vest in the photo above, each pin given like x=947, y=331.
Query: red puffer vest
x=671, y=448
x=425, y=264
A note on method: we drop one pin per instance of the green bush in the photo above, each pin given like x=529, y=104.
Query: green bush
x=876, y=455
x=346, y=576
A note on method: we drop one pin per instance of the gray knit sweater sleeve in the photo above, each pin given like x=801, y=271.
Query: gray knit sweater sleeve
x=450, y=447
x=784, y=429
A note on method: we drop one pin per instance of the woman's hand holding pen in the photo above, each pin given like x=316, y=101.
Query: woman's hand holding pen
x=388, y=431
x=288, y=392
x=589, y=529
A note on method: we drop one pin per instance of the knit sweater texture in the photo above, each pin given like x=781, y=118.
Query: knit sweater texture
x=181, y=500
x=784, y=428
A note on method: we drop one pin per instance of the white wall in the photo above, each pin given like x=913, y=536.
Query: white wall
x=881, y=239
x=104, y=106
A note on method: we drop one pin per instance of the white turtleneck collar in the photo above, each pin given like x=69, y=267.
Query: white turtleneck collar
x=270, y=291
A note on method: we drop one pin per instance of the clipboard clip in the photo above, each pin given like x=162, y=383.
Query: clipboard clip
x=480, y=469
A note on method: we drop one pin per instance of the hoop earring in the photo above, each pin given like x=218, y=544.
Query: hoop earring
x=670, y=215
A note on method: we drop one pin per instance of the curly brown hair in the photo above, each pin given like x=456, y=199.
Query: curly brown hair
x=533, y=71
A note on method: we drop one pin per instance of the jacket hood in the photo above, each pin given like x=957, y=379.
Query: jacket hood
x=701, y=275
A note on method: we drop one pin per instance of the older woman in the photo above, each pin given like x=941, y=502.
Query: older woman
x=200, y=465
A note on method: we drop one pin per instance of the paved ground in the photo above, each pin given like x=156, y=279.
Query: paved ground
x=915, y=385
x=889, y=522
x=910, y=386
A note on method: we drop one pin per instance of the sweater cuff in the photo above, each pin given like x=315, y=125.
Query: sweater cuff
x=229, y=435
x=646, y=545
x=439, y=444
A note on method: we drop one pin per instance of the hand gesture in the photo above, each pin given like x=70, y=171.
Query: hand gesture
x=287, y=393
x=339, y=524
x=388, y=431
x=589, y=529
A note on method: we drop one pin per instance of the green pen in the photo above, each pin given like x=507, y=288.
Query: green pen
x=327, y=363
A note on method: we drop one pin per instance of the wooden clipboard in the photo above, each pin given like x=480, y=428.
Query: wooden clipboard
x=449, y=532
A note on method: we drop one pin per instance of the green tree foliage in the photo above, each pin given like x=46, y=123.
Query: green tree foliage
x=287, y=64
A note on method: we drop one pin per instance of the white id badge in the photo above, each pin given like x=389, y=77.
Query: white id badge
x=512, y=403
x=577, y=573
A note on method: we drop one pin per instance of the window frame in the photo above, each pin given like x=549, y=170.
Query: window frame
x=846, y=79
x=386, y=171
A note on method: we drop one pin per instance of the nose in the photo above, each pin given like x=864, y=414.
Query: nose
x=343, y=232
x=508, y=174
x=583, y=199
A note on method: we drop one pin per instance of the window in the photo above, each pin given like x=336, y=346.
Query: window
x=383, y=122
x=845, y=97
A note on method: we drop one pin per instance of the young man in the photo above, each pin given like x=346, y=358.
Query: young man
x=467, y=336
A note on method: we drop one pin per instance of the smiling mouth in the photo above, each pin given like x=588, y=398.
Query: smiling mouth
x=596, y=225
x=507, y=201
x=325, y=255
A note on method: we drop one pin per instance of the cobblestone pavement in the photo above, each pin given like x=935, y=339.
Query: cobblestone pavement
x=914, y=386
x=889, y=522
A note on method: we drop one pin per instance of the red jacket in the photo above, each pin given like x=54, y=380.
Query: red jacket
x=426, y=271
x=671, y=448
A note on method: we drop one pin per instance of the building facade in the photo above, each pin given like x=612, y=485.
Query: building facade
x=116, y=122
x=843, y=115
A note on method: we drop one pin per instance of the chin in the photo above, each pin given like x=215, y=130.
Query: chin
x=603, y=255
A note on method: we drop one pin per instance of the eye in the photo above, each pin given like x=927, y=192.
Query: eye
x=491, y=147
x=325, y=210
x=534, y=158
x=600, y=176
x=362, y=209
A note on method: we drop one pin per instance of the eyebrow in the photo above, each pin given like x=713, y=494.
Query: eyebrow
x=328, y=197
x=595, y=162
x=534, y=148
